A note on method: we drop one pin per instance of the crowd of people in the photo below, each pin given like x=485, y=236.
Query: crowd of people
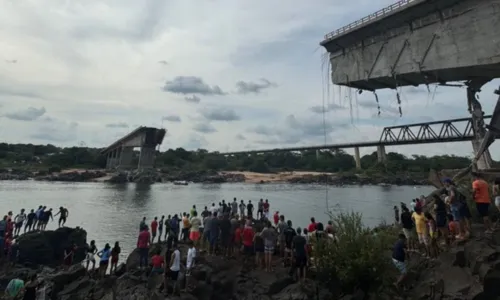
x=234, y=229
x=430, y=230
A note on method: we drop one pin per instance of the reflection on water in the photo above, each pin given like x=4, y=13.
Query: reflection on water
x=112, y=212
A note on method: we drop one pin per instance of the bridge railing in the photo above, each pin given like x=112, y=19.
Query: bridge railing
x=375, y=15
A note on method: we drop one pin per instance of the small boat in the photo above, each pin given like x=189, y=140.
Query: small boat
x=180, y=183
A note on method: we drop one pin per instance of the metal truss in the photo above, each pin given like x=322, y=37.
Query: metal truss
x=423, y=132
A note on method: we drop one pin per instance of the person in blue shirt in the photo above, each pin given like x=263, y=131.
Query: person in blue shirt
x=104, y=254
x=399, y=258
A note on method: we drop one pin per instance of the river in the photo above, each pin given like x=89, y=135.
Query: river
x=112, y=213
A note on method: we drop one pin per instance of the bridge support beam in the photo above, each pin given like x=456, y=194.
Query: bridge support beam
x=146, y=158
x=126, y=156
x=478, y=125
x=381, y=156
x=357, y=158
x=113, y=159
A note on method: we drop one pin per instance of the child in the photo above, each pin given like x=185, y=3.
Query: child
x=421, y=227
x=453, y=228
x=431, y=224
x=399, y=257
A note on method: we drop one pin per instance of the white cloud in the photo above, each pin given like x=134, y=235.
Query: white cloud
x=106, y=65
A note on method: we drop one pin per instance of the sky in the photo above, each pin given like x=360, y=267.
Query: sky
x=217, y=74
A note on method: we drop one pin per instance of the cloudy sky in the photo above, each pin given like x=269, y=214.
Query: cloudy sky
x=218, y=74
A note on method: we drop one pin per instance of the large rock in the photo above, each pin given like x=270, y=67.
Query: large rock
x=47, y=247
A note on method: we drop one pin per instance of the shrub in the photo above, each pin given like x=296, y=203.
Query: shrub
x=359, y=259
x=54, y=169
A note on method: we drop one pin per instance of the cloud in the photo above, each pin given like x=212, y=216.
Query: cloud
x=195, y=142
x=240, y=137
x=248, y=87
x=192, y=99
x=204, y=128
x=191, y=85
x=28, y=114
x=222, y=114
x=139, y=61
x=117, y=125
x=171, y=118
x=319, y=109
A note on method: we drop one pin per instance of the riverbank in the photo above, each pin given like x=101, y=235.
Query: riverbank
x=466, y=271
x=210, y=176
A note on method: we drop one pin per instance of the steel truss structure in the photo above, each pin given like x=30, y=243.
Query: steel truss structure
x=424, y=133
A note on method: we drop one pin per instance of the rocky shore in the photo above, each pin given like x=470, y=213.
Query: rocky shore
x=210, y=176
x=467, y=271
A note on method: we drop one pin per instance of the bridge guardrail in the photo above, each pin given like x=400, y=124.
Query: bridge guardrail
x=375, y=15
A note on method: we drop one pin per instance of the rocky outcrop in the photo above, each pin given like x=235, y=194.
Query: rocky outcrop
x=75, y=176
x=340, y=180
x=47, y=247
x=15, y=174
x=205, y=176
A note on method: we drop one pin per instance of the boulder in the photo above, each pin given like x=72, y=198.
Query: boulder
x=47, y=247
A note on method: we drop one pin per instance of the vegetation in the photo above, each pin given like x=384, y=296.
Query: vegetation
x=360, y=259
x=43, y=156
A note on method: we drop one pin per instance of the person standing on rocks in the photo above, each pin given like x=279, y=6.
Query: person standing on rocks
x=399, y=257
x=104, y=254
x=190, y=263
x=160, y=227
x=225, y=235
x=300, y=254
x=456, y=208
x=91, y=250
x=481, y=195
x=408, y=231
x=194, y=231
x=154, y=228
x=234, y=207
x=115, y=255
x=213, y=226
x=143, y=242
x=269, y=235
x=168, y=227
x=175, y=267
x=260, y=208
x=250, y=209
x=289, y=234
x=185, y=227
x=205, y=212
x=142, y=224
x=38, y=218
x=47, y=216
x=193, y=210
x=281, y=231
x=242, y=207
x=266, y=209
x=31, y=220
x=63, y=216
x=213, y=209
x=69, y=253
x=3, y=226
x=19, y=220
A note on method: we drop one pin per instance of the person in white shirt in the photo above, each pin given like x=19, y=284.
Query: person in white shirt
x=19, y=220
x=190, y=262
x=175, y=266
x=213, y=209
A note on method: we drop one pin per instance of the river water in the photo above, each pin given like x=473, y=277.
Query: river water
x=112, y=213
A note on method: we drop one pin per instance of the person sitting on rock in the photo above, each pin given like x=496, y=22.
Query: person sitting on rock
x=399, y=258
x=104, y=254
x=15, y=287
x=115, y=255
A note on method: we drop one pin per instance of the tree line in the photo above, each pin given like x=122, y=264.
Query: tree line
x=42, y=156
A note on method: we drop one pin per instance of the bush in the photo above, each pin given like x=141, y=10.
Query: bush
x=54, y=169
x=359, y=259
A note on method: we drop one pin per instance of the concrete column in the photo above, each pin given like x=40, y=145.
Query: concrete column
x=146, y=158
x=381, y=157
x=108, y=160
x=478, y=125
x=126, y=157
x=317, y=154
x=357, y=158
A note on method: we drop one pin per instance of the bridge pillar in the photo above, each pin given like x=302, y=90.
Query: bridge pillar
x=317, y=154
x=357, y=158
x=381, y=156
x=475, y=109
x=113, y=159
x=126, y=157
x=146, y=158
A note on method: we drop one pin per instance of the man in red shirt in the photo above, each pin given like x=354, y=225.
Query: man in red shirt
x=276, y=218
x=157, y=261
x=143, y=242
x=247, y=237
x=312, y=226
x=154, y=227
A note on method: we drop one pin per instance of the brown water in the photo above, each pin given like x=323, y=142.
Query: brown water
x=112, y=213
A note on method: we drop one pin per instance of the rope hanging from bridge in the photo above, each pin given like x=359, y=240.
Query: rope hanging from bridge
x=378, y=103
